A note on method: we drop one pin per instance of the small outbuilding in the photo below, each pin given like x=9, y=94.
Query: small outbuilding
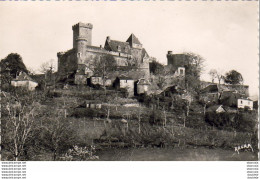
x=93, y=104
x=24, y=80
x=124, y=82
x=142, y=86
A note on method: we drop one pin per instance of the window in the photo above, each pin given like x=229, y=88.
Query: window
x=118, y=48
x=79, y=54
x=241, y=102
x=181, y=71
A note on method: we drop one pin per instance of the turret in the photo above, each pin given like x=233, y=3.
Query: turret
x=82, y=34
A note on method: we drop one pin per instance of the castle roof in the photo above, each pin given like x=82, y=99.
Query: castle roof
x=118, y=46
x=144, y=53
x=133, y=39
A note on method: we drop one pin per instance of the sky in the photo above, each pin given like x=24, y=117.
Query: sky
x=224, y=33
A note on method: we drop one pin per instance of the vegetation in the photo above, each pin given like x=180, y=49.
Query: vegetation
x=56, y=124
x=233, y=77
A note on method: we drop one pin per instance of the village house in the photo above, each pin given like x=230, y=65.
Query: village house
x=216, y=108
x=177, y=62
x=124, y=82
x=24, y=80
x=143, y=86
x=211, y=92
x=243, y=103
x=224, y=93
x=93, y=104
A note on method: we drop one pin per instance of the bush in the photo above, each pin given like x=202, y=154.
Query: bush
x=242, y=121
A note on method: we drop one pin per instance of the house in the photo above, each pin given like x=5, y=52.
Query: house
x=142, y=86
x=93, y=104
x=242, y=103
x=211, y=92
x=124, y=82
x=229, y=98
x=24, y=80
x=216, y=108
x=96, y=80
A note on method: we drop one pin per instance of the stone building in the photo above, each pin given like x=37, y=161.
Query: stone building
x=143, y=86
x=177, y=62
x=124, y=82
x=24, y=80
x=245, y=102
x=79, y=59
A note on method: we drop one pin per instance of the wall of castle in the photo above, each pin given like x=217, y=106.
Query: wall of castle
x=67, y=63
x=177, y=60
x=136, y=53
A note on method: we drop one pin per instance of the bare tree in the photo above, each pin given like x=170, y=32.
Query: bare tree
x=216, y=74
x=103, y=66
x=19, y=125
x=48, y=68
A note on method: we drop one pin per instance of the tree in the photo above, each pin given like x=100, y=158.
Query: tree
x=156, y=67
x=48, y=68
x=57, y=135
x=233, y=77
x=18, y=123
x=11, y=66
x=194, y=67
x=103, y=66
x=216, y=74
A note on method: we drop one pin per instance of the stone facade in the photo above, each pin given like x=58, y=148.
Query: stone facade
x=177, y=60
x=23, y=80
x=242, y=103
x=83, y=53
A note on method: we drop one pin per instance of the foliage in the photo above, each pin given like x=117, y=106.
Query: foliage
x=55, y=134
x=18, y=123
x=242, y=121
x=233, y=77
x=156, y=68
x=80, y=153
x=216, y=74
x=104, y=65
x=11, y=66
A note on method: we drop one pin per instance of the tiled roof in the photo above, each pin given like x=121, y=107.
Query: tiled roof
x=143, y=53
x=143, y=82
x=214, y=107
x=210, y=89
x=118, y=46
x=123, y=77
x=23, y=77
x=133, y=39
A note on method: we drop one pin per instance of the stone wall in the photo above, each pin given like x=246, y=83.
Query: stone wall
x=67, y=63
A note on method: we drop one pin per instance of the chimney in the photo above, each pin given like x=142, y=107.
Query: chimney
x=169, y=52
x=108, y=38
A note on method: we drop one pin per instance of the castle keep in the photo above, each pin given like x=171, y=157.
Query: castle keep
x=76, y=62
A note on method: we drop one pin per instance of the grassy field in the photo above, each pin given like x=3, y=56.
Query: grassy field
x=174, y=154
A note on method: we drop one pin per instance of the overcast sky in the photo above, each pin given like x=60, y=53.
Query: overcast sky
x=224, y=33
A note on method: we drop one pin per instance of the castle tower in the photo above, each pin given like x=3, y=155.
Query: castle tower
x=82, y=36
x=82, y=32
